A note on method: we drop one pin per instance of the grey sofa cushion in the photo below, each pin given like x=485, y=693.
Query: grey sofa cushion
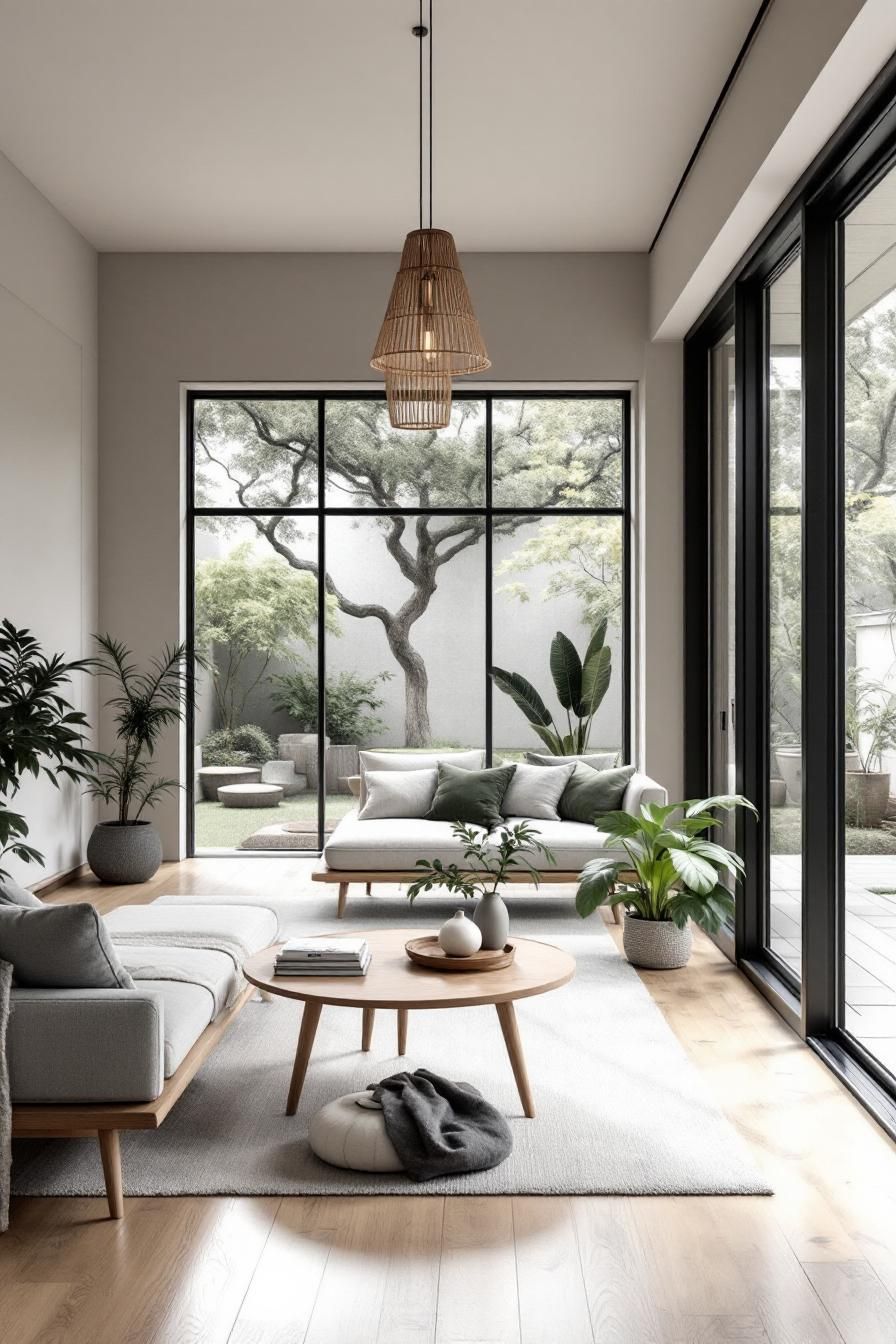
x=11, y=893
x=391, y=844
x=534, y=792
x=598, y=760
x=416, y=760
x=96, y=1045
x=60, y=947
x=573, y=844
x=398, y=793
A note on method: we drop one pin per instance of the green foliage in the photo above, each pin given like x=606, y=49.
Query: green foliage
x=580, y=684
x=491, y=862
x=145, y=704
x=40, y=733
x=582, y=557
x=350, y=700
x=249, y=608
x=678, y=871
x=870, y=719
x=246, y=745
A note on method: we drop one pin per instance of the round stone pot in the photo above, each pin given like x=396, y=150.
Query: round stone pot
x=124, y=853
x=656, y=944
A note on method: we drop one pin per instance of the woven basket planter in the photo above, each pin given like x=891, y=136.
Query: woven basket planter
x=656, y=944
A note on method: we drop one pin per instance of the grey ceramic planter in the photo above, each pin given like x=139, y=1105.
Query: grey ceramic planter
x=493, y=919
x=656, y=944
x=124, y=854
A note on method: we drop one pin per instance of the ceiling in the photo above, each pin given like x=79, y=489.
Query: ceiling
x=290, y=125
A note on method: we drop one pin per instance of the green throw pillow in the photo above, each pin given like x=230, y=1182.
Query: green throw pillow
x=471, y=796
x=591, y=792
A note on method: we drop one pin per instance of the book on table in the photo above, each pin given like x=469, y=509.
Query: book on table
x=323, y=956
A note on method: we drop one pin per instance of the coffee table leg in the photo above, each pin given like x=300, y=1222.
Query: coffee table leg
x=511, y=1032
x=402, y=1031
x=367, y=1016
x=310, y=1019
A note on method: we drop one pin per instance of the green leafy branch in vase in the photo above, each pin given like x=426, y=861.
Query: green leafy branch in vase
x=580, y=683
x=493, y=861
x=678, y=872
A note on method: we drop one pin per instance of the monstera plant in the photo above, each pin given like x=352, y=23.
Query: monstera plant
x=580, y=683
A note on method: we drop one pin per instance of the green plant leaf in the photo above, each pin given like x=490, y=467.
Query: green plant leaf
x=695, y=872
x=726, y=801
x=596, y=642
x=620, y=824
x=597, y=882
x=596, y=675
x=566, y=669
x=524, y=695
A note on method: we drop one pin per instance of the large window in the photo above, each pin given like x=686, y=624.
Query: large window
x=347, y=574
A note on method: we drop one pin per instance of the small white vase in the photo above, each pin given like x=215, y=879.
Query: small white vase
x=459, y=936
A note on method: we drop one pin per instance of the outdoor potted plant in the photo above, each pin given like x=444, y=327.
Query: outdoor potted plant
x=40, y=732
x=492, y=862
x=146, y=702
x=580, y=683
x=351, y=718
x=871, y=730
x=673, y=873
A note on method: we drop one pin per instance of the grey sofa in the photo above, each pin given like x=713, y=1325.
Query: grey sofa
x=385, y=850
x=102, y=1060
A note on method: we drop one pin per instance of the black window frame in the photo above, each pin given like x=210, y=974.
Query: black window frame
x=321, y=511
x=809, y=221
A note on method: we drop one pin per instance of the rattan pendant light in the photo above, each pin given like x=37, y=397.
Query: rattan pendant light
x=430, y=332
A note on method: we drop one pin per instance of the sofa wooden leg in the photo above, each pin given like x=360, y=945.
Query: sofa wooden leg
x=367, y=1018
x=369, y=888
x=340, y=905
x=110, y=1152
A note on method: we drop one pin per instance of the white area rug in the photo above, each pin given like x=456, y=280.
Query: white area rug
x=620, y=1107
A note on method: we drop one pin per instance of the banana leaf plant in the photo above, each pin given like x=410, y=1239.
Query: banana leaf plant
x=673, y=871
x=580, y=683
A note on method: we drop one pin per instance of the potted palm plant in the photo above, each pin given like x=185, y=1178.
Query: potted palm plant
x=673, y=873
x=580, y=683
x=128, y=848
x=41, y=734
x=870, y=731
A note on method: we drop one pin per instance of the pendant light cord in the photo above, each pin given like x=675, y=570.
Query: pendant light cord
x=420, y=112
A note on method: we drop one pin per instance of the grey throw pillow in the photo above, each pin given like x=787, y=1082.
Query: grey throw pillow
x=12, y=894
x=534, y=792
x=591, y=792
x=598, y=760
x=60, y=947
x=398, y=793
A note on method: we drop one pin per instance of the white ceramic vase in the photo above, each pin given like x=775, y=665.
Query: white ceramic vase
x=459, y=936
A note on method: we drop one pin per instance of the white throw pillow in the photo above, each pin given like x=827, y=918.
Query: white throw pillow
x=416, y=760
x=534, y=792
x=598, y=760
x=398, y=793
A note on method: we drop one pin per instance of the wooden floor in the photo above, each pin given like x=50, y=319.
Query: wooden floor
x=813, y=1264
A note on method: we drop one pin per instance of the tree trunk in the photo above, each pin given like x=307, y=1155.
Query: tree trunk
x=417, y=732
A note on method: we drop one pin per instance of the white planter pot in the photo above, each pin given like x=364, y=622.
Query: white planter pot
x=656, y=944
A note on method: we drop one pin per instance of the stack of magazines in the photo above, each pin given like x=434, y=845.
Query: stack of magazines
x=323, y=956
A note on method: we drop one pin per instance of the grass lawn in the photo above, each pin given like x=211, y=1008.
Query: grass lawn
x=219, y=827
x=786, y=837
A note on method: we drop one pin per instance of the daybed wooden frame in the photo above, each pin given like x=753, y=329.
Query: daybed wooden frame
x=104, y=1120
x=345, y=877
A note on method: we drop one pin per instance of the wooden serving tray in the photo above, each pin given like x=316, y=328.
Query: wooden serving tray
x=426, y=952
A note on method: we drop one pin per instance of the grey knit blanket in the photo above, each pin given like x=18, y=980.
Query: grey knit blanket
x=441, y=1128
x=5, y=1103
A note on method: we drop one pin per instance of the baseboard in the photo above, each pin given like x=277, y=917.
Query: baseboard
x=50, y=884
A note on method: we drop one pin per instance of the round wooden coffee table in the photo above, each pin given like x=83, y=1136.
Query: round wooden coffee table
x=393, y=981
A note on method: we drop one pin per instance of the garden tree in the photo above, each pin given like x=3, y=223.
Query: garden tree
x=584, y=559
x=253, y=609
x=264, y=454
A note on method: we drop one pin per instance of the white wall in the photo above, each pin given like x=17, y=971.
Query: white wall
x=48, y=461
x=166, y=320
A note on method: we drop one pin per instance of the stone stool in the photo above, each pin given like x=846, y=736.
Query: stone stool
x=250, y=795
x=212, y=777
x=285, y=774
